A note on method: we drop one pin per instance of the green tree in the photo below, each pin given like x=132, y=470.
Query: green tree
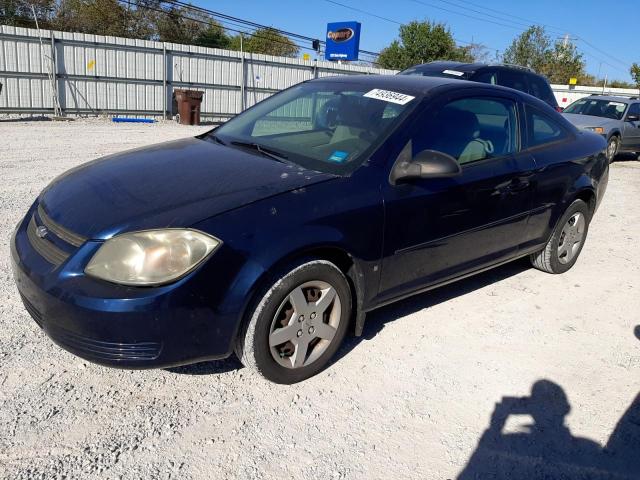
x=213, y=36
x=101, y=17
x=267, y=41
x=635, y=74
x=621, y=84
x=478, y=52
x=180, y=25
x=176, y=25
x=422, y=42
x=562, y=63
x=530, y=49
x=141, y=19
x=18, y=13
x=558, y=61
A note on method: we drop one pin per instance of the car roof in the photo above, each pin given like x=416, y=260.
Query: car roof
x=419, y=85
x=610, y=98
x=467, y=67
x=414, y=84
x=439, y=65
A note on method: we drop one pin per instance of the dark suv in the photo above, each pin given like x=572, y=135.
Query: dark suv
x=512, y=76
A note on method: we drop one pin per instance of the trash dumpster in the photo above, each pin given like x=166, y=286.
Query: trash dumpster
x=188, y=106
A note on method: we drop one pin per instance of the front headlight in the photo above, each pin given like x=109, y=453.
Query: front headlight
x=150, y=257
x=595, y=129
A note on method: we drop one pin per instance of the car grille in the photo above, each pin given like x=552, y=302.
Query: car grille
x=100, y=350
x=45, y=246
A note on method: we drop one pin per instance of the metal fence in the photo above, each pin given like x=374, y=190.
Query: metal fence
x=567, y=94
x=95, y=74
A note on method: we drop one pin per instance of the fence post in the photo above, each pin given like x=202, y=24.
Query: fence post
x=165, y=92
x=242, y=77
x=54, y=75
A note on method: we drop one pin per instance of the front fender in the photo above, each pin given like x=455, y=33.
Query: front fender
x=344, y=215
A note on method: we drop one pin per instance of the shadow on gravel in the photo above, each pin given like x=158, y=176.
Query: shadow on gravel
x=626, y=157
x=377, y=319
x=208, y=368
x=25, y=119
x=546, y=449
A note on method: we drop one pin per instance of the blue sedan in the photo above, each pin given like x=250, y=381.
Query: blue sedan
x=273, y=235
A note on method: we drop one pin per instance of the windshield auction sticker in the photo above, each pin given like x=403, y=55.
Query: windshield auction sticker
x=389, y=96
x=453, y=72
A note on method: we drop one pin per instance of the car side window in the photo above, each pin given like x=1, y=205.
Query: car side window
x=634, y=109
x=513, y=79
x=542, y=129
x=486, y=76
x=540, y=89
x=471, y=129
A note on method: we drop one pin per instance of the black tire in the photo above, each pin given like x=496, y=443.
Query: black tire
x=252, y=344
x=613, y=145
x=549, y=259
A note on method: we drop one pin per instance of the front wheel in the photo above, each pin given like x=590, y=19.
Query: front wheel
x=612, y=147
x=566, y=242
x=298, y=325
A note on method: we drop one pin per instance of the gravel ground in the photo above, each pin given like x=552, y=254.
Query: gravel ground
x=409, y=400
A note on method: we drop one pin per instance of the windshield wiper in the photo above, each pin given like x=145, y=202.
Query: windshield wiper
x=216, y=139
x=263, y=150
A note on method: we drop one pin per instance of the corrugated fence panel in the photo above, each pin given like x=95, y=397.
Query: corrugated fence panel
x=97, y=74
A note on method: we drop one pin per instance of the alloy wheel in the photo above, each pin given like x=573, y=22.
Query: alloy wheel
x=305, y=323
x=612, y=148
x=571, y=237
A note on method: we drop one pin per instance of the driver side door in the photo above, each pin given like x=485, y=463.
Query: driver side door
x=631, y=133
x=441, y=228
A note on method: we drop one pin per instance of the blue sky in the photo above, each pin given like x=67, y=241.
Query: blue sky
x=600, y=29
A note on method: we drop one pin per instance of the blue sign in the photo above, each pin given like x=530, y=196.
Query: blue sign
x=343, y=41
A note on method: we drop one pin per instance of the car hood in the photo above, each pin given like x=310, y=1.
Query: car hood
x=582, y=121
x=173, y=184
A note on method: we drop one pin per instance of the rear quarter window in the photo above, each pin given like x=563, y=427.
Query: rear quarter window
x=539, y=88
x=513, y=79
x=486, y=76
x=542, y=129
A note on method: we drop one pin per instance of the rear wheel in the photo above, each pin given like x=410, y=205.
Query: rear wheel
x=612, y=147
x=298, y=325
x=566, y=242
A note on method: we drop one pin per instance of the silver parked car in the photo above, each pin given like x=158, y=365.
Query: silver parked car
x=615, y=118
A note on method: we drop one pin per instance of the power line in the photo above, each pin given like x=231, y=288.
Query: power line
x=222, y=23
x=466, y=15
x=218, y=15
x=210, y=23
x=386, y=19
x=528, y=21
x=480, y=19
x=532, y=22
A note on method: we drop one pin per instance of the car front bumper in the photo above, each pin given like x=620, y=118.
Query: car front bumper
x=119, y=326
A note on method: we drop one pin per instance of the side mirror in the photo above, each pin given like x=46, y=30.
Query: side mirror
x=633, y=118
x=426, y=164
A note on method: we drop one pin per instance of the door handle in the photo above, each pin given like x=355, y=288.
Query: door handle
x=518, y=185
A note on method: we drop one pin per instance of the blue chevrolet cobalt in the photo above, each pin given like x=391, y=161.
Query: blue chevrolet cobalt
x=273, y=235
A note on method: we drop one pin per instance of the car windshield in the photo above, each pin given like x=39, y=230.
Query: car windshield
x=597, y=108
x=328, y=127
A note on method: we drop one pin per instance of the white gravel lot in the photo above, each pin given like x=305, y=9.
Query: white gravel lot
x=409, y=400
